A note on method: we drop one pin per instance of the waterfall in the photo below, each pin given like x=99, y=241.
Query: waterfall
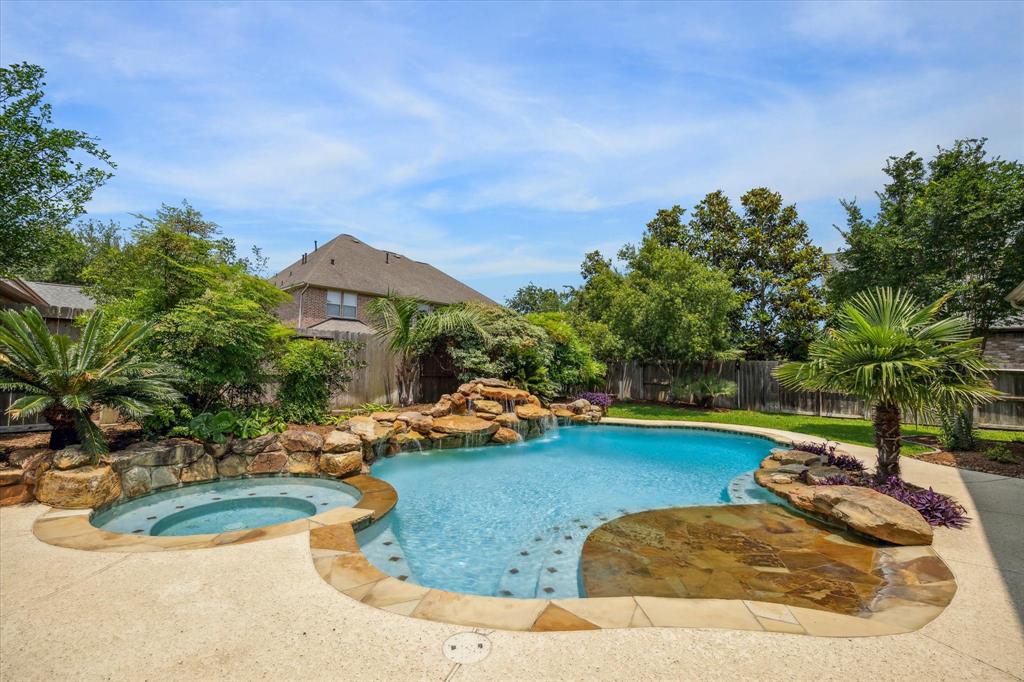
x=475, y=440
x=549, y=424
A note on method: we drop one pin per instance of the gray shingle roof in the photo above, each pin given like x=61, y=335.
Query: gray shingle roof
x=348, y=264
x=63, y=295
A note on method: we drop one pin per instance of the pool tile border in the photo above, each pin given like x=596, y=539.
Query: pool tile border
x=71, y=528
x=340, y=562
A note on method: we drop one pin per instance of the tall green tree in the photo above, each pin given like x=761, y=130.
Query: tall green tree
x=955, y=223
x=535, y=299
x=896, y=355
x=75, y=249
x=47, y=174
x=769, y=258
x=211, y=315
x=666, y=306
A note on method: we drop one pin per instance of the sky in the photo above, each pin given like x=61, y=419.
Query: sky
x=501, y=142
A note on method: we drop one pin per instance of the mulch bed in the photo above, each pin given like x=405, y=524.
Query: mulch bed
x=974, y=460
x=119, y=436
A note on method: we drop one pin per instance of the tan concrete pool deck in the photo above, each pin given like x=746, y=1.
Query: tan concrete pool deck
x=261, y=611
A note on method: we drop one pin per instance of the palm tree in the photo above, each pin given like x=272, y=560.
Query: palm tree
x=895, y=355
x=65, y=381
x=409, y=325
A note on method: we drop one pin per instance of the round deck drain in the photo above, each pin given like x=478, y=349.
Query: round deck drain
x=467, y=647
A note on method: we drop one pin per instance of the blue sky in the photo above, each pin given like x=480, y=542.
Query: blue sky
x=501, y=142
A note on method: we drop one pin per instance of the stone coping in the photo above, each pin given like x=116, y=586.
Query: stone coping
x=754, y=431
x=338, y=559
x=71, y=528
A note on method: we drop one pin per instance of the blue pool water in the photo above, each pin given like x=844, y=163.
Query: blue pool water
x=510, y=521
x=225, y=505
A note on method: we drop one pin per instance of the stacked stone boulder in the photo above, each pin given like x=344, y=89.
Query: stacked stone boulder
x=795, y=476
x=482, y=411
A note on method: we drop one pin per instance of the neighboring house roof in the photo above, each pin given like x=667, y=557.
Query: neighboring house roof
x=46, y=294
x=336, y=325
x=1016, y=297
x=361, y=268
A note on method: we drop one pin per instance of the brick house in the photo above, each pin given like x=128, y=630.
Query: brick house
x=332, y=286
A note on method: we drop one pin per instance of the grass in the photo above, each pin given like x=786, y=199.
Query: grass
x=855, y=431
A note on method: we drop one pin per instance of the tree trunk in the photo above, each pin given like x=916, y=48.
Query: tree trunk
x=63, y=422
x=887, y=440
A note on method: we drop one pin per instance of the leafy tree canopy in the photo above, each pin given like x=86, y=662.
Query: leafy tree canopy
x=47, y=174
x=955, y=223
x=666, y=306
x=535, y=299
x=769, y=258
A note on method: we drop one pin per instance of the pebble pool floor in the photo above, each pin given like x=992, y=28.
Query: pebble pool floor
x=226, y=505
x=511, y=521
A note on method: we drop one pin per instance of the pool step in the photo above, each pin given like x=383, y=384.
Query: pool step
x=744, y=490
x=549, y=568
x=385, y=552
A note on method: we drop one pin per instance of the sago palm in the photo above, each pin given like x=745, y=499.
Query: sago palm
x=408, y=325
x=895, y=355
x=65, y=380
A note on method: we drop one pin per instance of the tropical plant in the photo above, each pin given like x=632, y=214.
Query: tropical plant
x=896, y=355
x=372, y=407
x=704, y=389
x=64, y=380
x=258, y=422
x=409, y=325
x=957, y=429
x=213, y=427
x=310, y=371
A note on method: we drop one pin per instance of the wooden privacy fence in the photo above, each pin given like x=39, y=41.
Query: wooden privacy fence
x=757, y=389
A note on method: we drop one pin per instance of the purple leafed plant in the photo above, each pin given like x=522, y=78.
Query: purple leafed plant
x=828, y=451
x=838, y=479
x=602, y=400
x=936, y=508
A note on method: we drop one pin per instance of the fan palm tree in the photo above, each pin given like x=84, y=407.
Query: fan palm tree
x=895, y=355
x=65, y=381
x=408, y=325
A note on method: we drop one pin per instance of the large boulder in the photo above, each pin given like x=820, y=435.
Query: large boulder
x=268, y=462
x=341, y=463
x=35, y=466
x=369, y=430
x=784, y=456
x=342, y=441
x=459, y=403
x=504, y=436
x=301, y=441
x=504, y=393
x=464, y=425
x=203, y=469
x=442, y=407
x=865, y=511
x=253, y=446
x=70, y=457
x=508, y=419
x=9, y=476
x=81, y=488
x=488, y=407
x=136, y=481
x=579, y=406
x=163, y=477
x=418, y=422
x=232, y=465
x=409, y=440
x=19, y=493
x=171, y=452
x=302, y=463
x=384, y=416
x=531, y=412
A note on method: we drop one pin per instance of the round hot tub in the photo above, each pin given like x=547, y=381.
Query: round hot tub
x=225, y=505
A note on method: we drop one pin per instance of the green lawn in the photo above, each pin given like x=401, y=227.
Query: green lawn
x=856, y=431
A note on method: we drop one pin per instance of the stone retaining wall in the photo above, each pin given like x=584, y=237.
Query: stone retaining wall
x=484, y=411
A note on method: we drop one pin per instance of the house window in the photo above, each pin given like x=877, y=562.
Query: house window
x=341, y=304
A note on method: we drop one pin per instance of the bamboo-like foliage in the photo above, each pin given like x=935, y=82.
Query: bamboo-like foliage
x=65, y=380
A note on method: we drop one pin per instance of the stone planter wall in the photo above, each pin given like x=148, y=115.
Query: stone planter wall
x=483, y=411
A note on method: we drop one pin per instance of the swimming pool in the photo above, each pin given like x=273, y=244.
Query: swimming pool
x=225, y=505
x=510, y=521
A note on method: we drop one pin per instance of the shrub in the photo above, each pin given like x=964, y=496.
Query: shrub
x=602, y=400
x=704, y=389
x=258, y=422
x=957, y=429
x=310, y=371
x=213, y=428
x=1002, y=454
x=165, y=419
